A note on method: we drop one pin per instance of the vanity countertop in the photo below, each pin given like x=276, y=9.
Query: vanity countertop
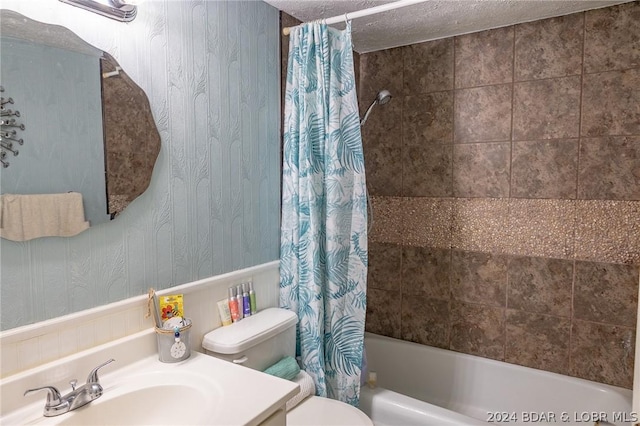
x=199, y=390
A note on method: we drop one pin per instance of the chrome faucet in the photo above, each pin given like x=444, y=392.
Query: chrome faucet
x=86, y=393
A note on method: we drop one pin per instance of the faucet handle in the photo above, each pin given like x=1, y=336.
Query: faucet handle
x=93, y=376
x=53, y=396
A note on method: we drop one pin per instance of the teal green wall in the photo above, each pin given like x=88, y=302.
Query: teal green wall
x=211, y=72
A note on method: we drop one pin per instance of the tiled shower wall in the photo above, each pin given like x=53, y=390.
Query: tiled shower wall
x=505, y=176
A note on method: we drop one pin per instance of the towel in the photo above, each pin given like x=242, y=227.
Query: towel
x=307, y=388
x=25, y=217
x=287, y=368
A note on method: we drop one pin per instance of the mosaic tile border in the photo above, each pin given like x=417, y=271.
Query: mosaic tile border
x=595, y=230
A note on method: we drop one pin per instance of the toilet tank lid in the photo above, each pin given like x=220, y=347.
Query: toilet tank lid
x=250, y=331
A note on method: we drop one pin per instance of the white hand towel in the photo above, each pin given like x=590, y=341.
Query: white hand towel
x=25, y=217
x=307, y=388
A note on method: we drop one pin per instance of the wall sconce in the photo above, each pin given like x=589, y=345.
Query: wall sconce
x=120, y=10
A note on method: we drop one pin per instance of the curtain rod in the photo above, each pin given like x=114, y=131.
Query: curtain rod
x=365, y=12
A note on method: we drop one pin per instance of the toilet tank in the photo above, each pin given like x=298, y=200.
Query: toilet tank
x=258, y=341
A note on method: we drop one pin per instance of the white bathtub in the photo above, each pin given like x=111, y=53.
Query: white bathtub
x=421, y=385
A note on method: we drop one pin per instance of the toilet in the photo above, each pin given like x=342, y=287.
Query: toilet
x=263, y=339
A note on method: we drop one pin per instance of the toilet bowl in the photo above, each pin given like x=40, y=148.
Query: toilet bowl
x=315, y=411
x=263, y=339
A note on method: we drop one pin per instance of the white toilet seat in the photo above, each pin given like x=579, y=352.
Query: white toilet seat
x=318, y=411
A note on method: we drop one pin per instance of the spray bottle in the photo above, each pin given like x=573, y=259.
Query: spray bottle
x=252, y=299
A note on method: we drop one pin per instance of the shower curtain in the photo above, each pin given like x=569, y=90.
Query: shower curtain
x=323, y=253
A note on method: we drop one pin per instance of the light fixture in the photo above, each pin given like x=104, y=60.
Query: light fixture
x=120, y=10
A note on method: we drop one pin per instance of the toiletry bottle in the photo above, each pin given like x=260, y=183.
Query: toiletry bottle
x=224, y=311
x=246, y=304
x=252, y=299
x=240, y=301
x=233, y=305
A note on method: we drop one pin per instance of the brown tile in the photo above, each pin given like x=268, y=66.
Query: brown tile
x=425, y=320
x=356, y=70
x=608, y=231
x=481, y=169
x=544, y=169
x=480, y=224
x=426, y=271
x=384, y=266
x=543, y=228
x=540, y=285
x=478, y=330
x=483, y=114
x=538, y=341
x=602, y=353
x=428, y=118
x=611, y=103
x=606, y=292
x=428, y=67
x=384, y=170
x=427, y=222
x=479, y=278
x=546, y=109
x=610, y=168
x=383, y=312
x=612, y=39
x=382, y=144
x=549, y=48
x=380, y=70
x=484, y=58
x=383, y=126
x=427, y=170
x=387, y=220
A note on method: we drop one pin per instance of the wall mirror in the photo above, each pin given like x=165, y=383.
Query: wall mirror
x=88, y=126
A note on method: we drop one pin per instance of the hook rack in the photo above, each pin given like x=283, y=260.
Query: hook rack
x=8, y=130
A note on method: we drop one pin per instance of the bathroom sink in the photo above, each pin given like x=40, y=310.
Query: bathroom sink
x=154, y=396
x=145, y=401
x=200, y=390
x=134, y=408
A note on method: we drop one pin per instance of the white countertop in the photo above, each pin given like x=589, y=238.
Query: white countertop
x=219, y=391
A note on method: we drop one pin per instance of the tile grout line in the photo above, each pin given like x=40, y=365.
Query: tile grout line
x=450, y=218
x=450, y=301
x=539, y=140
x=402, y=113
x=513, y=89
x=571, y=317
x=403, y=195
x=575, y=213
x=453, y=119
x=509, y=195
x=580, y=111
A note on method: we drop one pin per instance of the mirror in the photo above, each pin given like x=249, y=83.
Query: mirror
x=88, y=126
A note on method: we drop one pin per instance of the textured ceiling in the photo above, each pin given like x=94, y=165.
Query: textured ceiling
x=432, y=19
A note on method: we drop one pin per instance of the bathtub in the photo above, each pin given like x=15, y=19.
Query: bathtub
x=421, y=385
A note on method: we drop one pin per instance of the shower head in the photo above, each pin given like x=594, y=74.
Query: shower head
x=383, y=97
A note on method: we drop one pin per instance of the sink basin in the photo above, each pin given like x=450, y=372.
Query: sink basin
x=200, y=390
x=132, y=407
x=158, y=396
x=148, y=399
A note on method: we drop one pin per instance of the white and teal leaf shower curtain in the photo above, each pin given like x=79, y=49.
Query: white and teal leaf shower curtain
x=323, y=258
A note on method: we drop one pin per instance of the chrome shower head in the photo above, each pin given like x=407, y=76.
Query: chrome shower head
x=383, y=97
